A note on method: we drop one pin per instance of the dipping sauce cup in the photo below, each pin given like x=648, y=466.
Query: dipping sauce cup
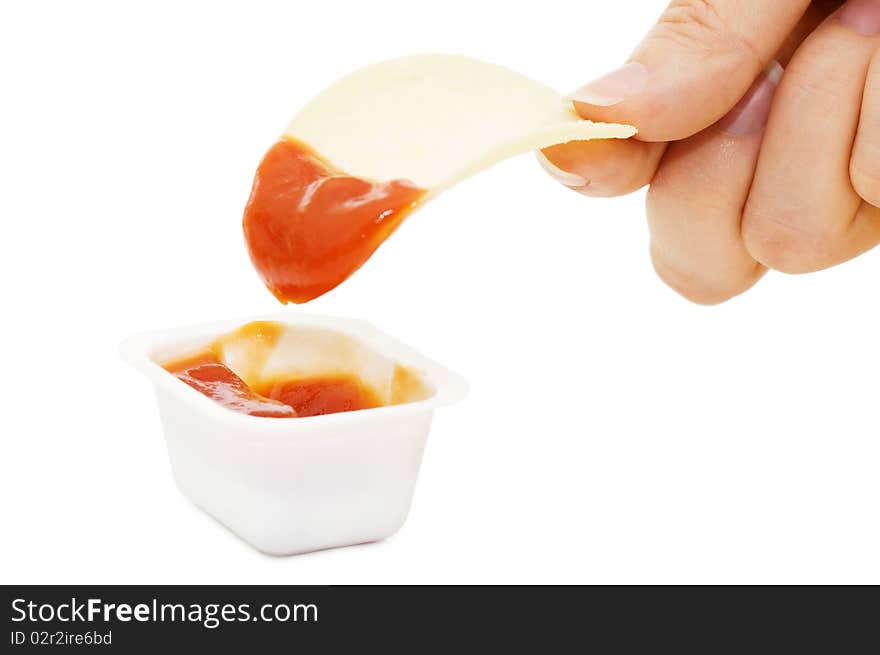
x=293, y=485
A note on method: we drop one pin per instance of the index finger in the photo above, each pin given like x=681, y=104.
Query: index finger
x=611, y=167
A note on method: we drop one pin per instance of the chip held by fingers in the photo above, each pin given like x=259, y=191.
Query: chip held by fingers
x=367, y=151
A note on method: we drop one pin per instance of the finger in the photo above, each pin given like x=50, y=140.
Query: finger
x=864, y=170
x=613, y=168
x=602, y=167
x=697, y=197
x=802, y=213
x=693, y=66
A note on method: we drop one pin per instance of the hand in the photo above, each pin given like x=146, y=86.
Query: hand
x=751, y=166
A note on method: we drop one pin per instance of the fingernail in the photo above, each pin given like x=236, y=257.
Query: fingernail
x=614, y=87
x=749, y=115
x=572, y=180
x=863, y=16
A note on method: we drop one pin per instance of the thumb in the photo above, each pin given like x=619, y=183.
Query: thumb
x=692, y=67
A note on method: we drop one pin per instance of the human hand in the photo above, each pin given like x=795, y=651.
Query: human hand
x=750, y=166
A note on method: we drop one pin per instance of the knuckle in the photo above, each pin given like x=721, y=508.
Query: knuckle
x=698, y=25
x=864, y=172
x=692, y=17
x=697, y=288
x=778, y=241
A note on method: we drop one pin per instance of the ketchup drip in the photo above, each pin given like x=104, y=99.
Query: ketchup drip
x=308, y=226
x=207, y=375
x=282, y=399
x=324, y=395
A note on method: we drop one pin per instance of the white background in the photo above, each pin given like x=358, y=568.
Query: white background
x=614, y=432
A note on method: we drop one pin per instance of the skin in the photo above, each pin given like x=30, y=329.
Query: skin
x=798, y=193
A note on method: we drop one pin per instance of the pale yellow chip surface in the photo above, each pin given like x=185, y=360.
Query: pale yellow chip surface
x=435, y=119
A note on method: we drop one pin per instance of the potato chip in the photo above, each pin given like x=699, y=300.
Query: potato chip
x=375, y=146
x=436, y=119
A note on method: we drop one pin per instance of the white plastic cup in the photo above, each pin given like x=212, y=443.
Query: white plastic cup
x=294, y=485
